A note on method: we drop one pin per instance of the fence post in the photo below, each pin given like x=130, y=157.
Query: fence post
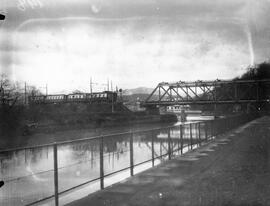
x=160, y=148
x=199, y=131
x=196, y=134
x=153, y=149
x=101, y=164
x=178, y=143
x=212, y=129
x=181, y=138
x=55, y=161
x=169, y=144
x=25, y=156
x=131, y=154
x=190, y=134
x=205, y=129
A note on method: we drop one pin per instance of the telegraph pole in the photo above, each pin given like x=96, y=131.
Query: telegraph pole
x=112, y=97
x=46, y=89
x=112, y=104
x=91, y=89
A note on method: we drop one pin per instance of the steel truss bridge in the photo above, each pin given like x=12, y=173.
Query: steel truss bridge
x=210, y=92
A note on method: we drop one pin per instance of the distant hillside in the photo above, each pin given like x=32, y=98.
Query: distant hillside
x=139, y=90
x=133, y=98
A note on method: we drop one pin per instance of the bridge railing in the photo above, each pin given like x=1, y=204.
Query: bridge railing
x=47, y=172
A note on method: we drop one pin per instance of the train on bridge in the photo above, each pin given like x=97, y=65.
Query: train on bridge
x=97, y=97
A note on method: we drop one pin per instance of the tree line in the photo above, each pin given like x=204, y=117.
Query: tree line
x=257, y=72
x=13, y=99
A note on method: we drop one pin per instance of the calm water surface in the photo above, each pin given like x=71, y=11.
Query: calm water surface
x=29, y=173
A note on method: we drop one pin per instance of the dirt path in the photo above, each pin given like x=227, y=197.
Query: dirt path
x=232, y=170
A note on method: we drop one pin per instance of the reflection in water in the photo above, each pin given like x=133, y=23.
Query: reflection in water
x=29, y=174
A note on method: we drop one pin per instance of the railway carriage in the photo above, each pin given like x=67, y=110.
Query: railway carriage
x=37, y=99
x=79, y=97
x=55, y=98
x=97, y=97
x=111, y=96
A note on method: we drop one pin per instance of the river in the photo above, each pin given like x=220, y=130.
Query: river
x=29, y=173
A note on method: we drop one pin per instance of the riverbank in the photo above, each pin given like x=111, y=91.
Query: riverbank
x=232, y=170
x=48, y=123
x=56, y=133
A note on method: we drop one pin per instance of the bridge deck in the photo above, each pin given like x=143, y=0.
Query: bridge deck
x=210, y=92
x=203, y=102
x=232, y=170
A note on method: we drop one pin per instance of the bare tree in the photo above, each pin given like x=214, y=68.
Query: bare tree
x=9, y=92
x=11, y=113
x=34, y=91
x=77, y=92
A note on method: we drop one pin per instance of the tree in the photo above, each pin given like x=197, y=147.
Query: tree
x=260, y=71
x=77, y=92
x=11, y=112
x=9, y=92
x=257, y=72
x=34, y=91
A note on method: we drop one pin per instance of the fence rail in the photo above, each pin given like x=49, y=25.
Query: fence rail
x=176, y=139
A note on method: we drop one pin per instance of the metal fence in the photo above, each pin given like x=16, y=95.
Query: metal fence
x=36, y=174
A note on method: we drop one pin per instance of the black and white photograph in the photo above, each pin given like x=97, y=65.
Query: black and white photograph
x=135, y=102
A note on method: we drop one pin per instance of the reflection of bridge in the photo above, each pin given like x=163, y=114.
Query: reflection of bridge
x=210, y=92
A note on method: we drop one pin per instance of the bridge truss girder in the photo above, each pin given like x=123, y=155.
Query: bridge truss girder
x=210, y=92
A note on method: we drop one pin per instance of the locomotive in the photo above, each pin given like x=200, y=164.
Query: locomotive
x=97, y=97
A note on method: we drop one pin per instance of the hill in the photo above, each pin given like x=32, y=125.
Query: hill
x=139, y=90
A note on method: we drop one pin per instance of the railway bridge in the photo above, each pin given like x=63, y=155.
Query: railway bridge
x=209, y=92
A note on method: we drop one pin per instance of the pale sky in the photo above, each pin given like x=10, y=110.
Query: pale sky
x=63, y=43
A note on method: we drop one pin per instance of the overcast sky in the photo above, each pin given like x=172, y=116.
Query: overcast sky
x=134, y=43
